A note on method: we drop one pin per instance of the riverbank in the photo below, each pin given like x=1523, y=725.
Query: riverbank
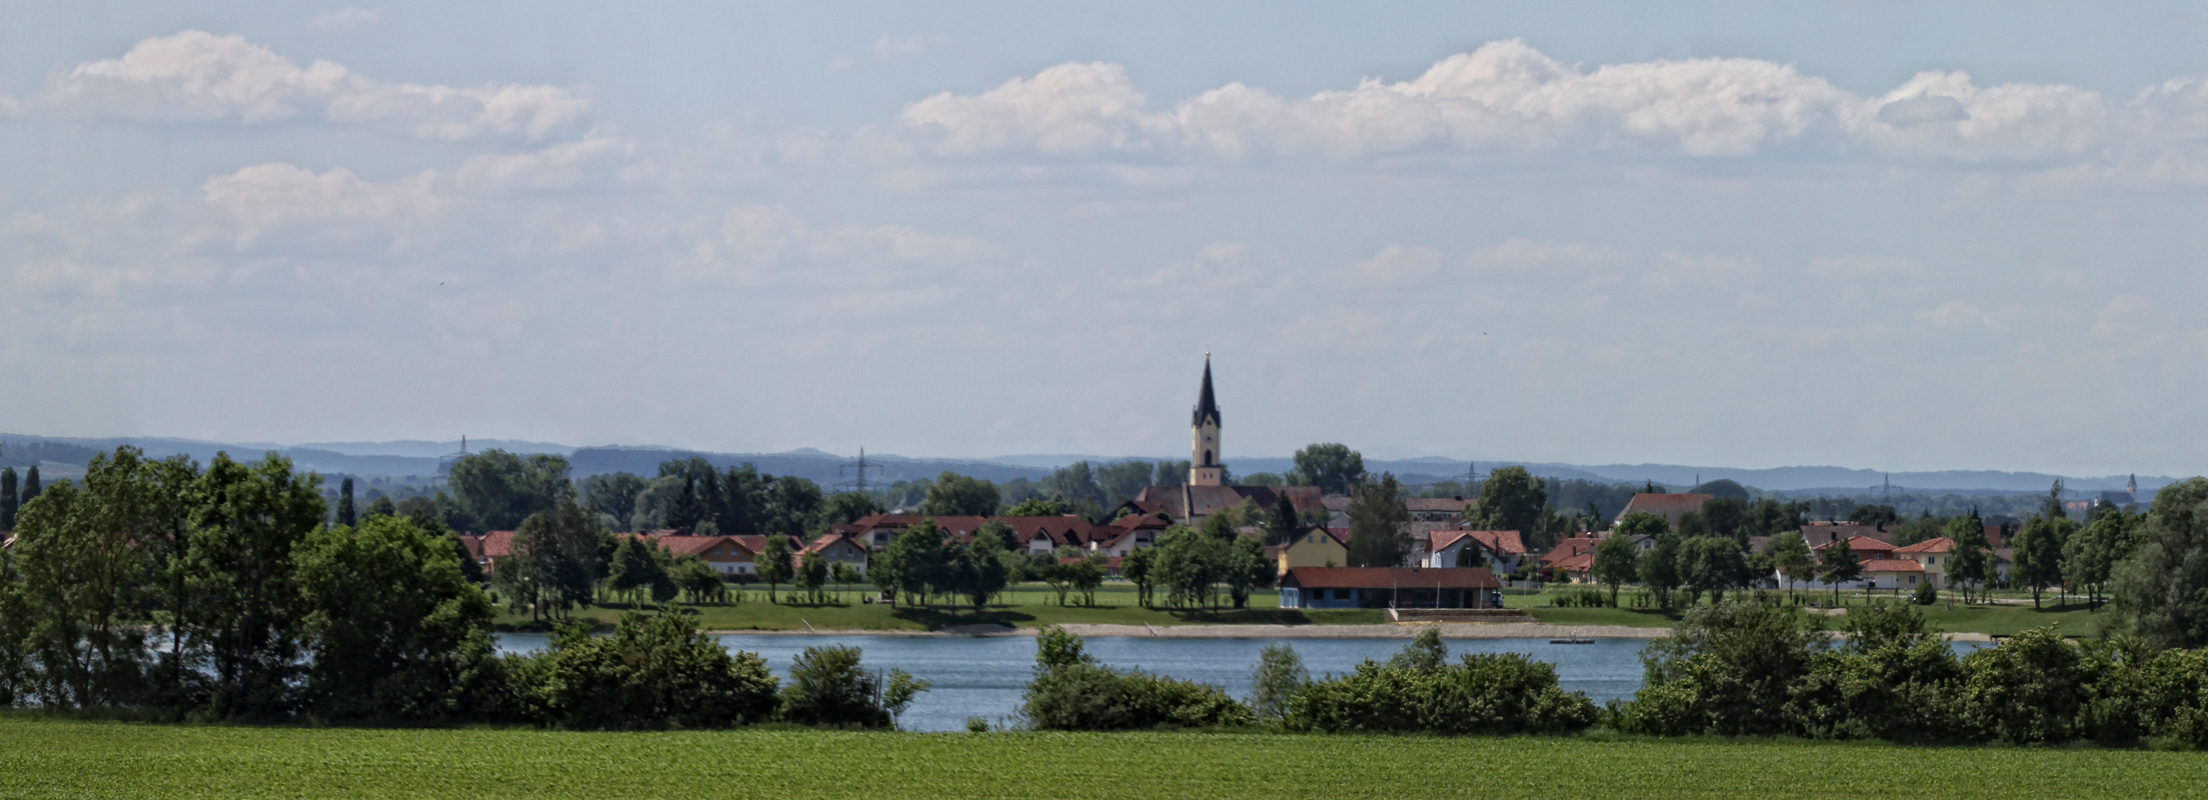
x=1479, y=630
x=56, y=759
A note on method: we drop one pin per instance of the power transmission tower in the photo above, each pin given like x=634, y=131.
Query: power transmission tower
x=858, y=468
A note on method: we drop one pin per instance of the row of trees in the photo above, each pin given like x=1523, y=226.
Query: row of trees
x=13, y=497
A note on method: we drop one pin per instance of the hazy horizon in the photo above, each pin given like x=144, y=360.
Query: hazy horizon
x=1951, y=237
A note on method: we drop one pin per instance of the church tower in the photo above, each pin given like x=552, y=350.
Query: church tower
x=1204, y=468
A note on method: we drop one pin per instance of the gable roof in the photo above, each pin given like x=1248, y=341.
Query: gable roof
x=1503, y=542
x=1862, y=544
x=1568, y=548
x=1388, y=578
x=823, y=543
x=1892, y=565
x=1669, y=506
x=1819, y=533
x=1938, y=544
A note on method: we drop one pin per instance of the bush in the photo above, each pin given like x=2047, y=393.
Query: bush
x=1488, y=694
x=827, y=687
x=1071, y=692
x=1892, y=678
x=1926, y=595
x=653, y=672
x=2179, y=688
x=1726, y=669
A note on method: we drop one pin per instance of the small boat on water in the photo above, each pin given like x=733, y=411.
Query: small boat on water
x=1571, y=641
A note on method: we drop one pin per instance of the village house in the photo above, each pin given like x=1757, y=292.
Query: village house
x=1388, y=587
x=1500, y=551
x=837, y=548
x=1313, y=547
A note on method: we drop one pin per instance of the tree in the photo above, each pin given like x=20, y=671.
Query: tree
x=1839, y=566
x=30, y=487
x=1135, y=567
x=346, y=516
x=635, y=568
x=382, y=507
x=1247, y=570
x=1172, y=473
x=1711, y=564
x=82, y=551
x=1282, y=524
x=1086, y=574
x=613, y=494
x=1037, y=507
x=556, y=560
x=699, y=579
x=1378, y=536
x=773, y=564
x=8, y=500
x=957, y=495
x=1332, y=467
x=1877, y=515
x=1280, y=674
x=844, y=575
x=1659, y=565
x=844, y=508
x=396, y=632
x=495, y=490
x=1727, y=517
x=689, y=509
x=1122, y=481
x=1967, y=563
x=2038, y=550
x=1790, y=555
x=812, y=574
x=1641, y=523
x=238, y=566
x=2161, y=591
x=1512, y=500
x=1613, y=564
x=2090, y=556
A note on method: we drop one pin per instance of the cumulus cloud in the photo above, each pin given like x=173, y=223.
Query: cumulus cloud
x=1398, y=264
x=888, y=47
x=756, y=236
x=263, y=197
x=346, y=18
x=1508, y=97
x=195, y=76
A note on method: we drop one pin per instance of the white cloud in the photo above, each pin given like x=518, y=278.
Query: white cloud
x=888, y=47
x=263, y=197
x=1066, y=109
x=1398, y=264
x=346, y=18
x=1507, y=97
x=197, y=76
x=556, y=167
x=1956, y=314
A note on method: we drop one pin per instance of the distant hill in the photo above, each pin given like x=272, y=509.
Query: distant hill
x=65, y=457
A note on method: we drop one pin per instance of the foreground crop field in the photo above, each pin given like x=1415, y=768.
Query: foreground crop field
x=41, y=758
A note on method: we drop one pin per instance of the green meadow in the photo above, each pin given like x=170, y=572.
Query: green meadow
x=42, y=758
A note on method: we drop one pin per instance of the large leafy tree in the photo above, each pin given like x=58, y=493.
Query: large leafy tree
x=612, y=495
x=1839, y=565
x=1613, y=565
x=397, y=632
x=83, y=554
x=495, y=490
x=245, y=610
x=1712, y=564
x=1512, y=500
x=2038, y=550
x=957, y=495
x=1791, y=556
x=2162, y=589
x=1659, y=565
x=1122, y=481
x=2090, y=556
x=1332, y=467
x=556, y=561
x=1970, y=562
x=773, y=564
x=1378, y=520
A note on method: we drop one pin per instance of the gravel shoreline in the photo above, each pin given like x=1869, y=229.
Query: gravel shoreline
x=1449, y=630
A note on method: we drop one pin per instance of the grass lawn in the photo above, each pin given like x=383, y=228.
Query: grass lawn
x=1998, y=620
x=45, y=758
x=1030, y=605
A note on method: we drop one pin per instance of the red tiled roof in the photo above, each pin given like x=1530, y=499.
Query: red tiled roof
x=1578, y=563
x=498, y=544
x=1568, y=548
x=1892, y=565
x=1387, y=577
x=1504, y=542
x=1940, y=544
x=1862, y=544
x=1817, y=533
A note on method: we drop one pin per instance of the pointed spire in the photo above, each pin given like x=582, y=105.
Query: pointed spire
x=1206, y=405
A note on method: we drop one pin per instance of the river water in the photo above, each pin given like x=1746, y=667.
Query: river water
x=983, y=676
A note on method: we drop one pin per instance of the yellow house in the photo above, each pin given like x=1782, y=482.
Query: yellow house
x=1314, y=547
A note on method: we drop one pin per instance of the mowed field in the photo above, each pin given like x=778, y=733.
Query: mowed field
x=45, y=758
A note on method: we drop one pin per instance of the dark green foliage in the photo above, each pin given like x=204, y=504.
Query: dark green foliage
x=654, y=672
x=245, y=611
x=1512, y=500
x=773, y=564
x=1925, y=594
x=1334, y=468
x=1724, y=670
x=1273, y=685
x=346, y=515
x=1892, y=678
x=495, y=490
x=2162, y=588
x=1377, y=516
x=612, y=494
x=8, y=498
x=827, y=687
x=557, y=558
x=1418, y=692
x=397, y=632
x=957, y=495
x=1070, y=692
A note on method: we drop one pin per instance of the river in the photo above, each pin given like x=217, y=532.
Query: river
x=983, y=676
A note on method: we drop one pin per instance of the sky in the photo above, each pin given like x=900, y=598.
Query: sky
x=1902, y=236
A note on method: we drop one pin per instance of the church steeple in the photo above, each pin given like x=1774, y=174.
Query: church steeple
x=1204, y=467
x=1207, y=407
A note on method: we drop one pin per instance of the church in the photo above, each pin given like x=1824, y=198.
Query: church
x=1207, y=492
